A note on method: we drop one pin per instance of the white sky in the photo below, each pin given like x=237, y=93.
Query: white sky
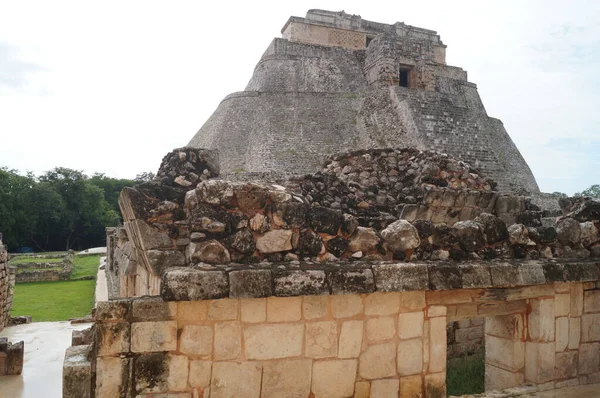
x=113, y=86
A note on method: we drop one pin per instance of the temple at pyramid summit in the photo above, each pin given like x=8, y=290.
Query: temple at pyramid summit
x=335, y=82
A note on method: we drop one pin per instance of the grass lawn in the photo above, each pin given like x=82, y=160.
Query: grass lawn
x=466, y=375
x=25, y=260
x=85, y=266
x=54, y=301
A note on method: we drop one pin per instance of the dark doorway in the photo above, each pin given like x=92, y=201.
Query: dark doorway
x=403, y=78
x=367, y=41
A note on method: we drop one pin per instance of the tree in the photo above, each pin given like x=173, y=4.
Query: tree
x=112, y=187
x=593, y=191
x=144, y=177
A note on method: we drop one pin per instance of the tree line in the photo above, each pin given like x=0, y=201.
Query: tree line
x=61, y=209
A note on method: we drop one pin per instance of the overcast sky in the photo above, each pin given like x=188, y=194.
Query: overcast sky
x=112, y=86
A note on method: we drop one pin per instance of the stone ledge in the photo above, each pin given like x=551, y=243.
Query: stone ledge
x=306, y=279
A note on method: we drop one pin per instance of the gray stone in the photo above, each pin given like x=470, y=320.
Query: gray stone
x=494, y=228
x=400, y=277
x=186, y=284
x=530, y=273
x=300, y=283
x=352, y=281
x=503, y=274
x=569, y=232
x=444, y=277
x=401, y=236
x=274, y=241
x=77, y=373
x=243, y=241
x=113, y=310
x=251, y=198
x=148, y=237
x=214, y=192
x=309, y=243
x=519, y=235
x=159, y=260
x=322, y=219
x=589, y=233
x=364, y=239
x=210, y=252
x=14, y=359
x=252, y=283
x=475, y=276
x=151, y=309
x=470, y=235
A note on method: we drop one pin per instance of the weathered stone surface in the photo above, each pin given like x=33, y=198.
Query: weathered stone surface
x=284, y=309
x=518, y=234
x=475, y=275
x=410, y=357
x=232, y=380
x=410, y=325
x=200, y=372
x=400, y=277
x=300, y=283
x=185, y=284
x=346, y=306
x=228, y=340
x=273, y=341
x=196, y=340
x=380, y=329
x=401, y=236
x=351, y=337
x=77, y=373
x=278, y=240
x=321, y=339
x=363, y=239
x=214, y=192
x=250, y=283
x=154, y=336
x=385, y=388
x=160, y=260
x=113, y=338
x=113, y=377
x=494, y=228
x=349, y=281
x=309, y=243
x=378, y=361
x=153, y=309
x=289, y=378
x=337, y=246
x=243, y=241
x=326, y=220
x=568, y=232
x=113, y=310
x=211, y=252
x=470, y=235
x=334, y=378
x=444, y=277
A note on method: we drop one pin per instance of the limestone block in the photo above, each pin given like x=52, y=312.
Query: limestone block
x=565, y=365
x=410, y=325
x=346, y=305
x=401, y=236
x=274, y=241
x=113, y=310
x=228, y=340
x=321, y=339
x=250, y=283
x=411, y=387
x=77, y=373
x=562, y=304
x=412, y=301
x=588, y=358
x=232, y=380
x=590, y=327
x=154, y=336
x=385, y=388
x=192, y=310
x=508, y=354
x=436, y=310
x=187, y=284
x=576, y=299
x=410, y=357
x=500, y=379
x=113, y=338
x=200, y=372
x=505, y=326
x=112, y=376
x=351, y=337
x=153, y=309
x=253, y=310
x=223, y=309
x=574, y=333
x=539, y=362
x=382, y=303
x=284, y=309
x=314, y=307
x=362, y=389
x=378, y=361
x=541, y=320
x=379, y=329
x=333, y=378
x=400, y=277
x=435, y=385
x=364, y=239
x=591, y=301
x=272, y=341
x=300, y=283
x=196, y=340
x=289, y=378
x=352, y=282
x=562, y=333
x=437, y=344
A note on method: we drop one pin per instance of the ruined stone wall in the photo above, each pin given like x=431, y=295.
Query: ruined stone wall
x=35, y=272
x=465, y=337
x=7, y=283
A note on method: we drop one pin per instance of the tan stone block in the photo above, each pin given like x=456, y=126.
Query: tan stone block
x=589, y=354
x=576, y=299
x=410, y=357
x=385, y=388
x=233, y=380
x=561, y=287
x=539, y=362
x=382, y=303
x=112, y=376
x=506, y=326
x=321, y=339
x=541, y=320
x=177, y=380
x=508, y=354
x=567, y=383
x=411, y=387
x=228, y=340
x=565, y=365
x=562, y=304
x=350, y=339
x=466, y=310
x=200, y=373
x=196, y=340
x=272, y=341
x=426, y=346
x=436, y=310
x=154, y=336
x=254, y=310
x=500, y=379
x=412, y=301
x=334, y=378
x=435, y=385
x=379, y=329
x=437, y=344
x=223, y=309
x=590, y=327
x=447, y=297
x=314, y=307
x=192, y=310
x=284, y=309
x=410, y=325
x=362, y=389
x=289, y=378
x=592, y=378
x=113, y=338
x=574, y=333
x=346, y=305
x=378, y=361
x=591, y=301
x=562, y=333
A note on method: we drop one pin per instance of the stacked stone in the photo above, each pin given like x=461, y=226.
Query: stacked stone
x=465, y=337
x=44, y=271
x=5, y=287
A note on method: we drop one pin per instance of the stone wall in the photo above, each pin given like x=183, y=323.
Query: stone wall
x=377, y=330
x=7, y=283
x=37, y=272
x=465, y=337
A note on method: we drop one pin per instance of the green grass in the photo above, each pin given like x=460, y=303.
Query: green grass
x=466, y=375
x=54, y=301
x=25, y=260
x=85, y=266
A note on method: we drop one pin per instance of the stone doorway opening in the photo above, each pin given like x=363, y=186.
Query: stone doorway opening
x=403, y=77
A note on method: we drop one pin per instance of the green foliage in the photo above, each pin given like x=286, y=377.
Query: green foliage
x=466, y=375
x=54, y=301
x=27, y=260
x=144, y=177
x=593, y=191
x=85, y=266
